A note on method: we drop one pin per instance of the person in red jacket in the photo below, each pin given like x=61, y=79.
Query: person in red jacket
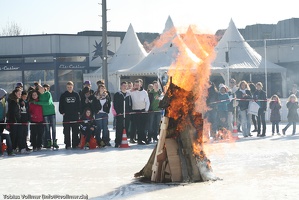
x=36, y=117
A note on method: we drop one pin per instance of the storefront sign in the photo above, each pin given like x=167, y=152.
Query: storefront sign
x=9, y=68
x=71, y=66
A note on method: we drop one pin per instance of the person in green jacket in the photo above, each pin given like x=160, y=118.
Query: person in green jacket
x=46, y=101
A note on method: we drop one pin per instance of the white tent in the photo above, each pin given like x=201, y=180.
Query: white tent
x=234, y=54
x=128, y=54
x=162, y=56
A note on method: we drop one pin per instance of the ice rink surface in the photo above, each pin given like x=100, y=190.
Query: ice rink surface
x=251, y=168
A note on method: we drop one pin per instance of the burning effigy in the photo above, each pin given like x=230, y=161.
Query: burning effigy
x=179, y=155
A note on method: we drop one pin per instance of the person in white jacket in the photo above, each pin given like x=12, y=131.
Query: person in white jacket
x=140, y=104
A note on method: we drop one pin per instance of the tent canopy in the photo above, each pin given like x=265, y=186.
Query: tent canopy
x=233, y=51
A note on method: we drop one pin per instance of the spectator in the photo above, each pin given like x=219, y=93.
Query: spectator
x=222, y=109
x=14, y=116
x=36, y=117
x=46, y=101
x=19, y=85
x=294, y=90
x=260, y=96
x=211, y=114
x=252, y=88
x=88, y=126
x=25, y=117
x=275, y=118
x=2, y=125
x=47, y=87
x=88, y=101
x=140, y=103
x=244, y=95
x=292, y=105
x=155, y=112
x=129, y=85
x=232, y=106
x=70, y=107
x=103, y=105
x=122, y=98
x=88, y=85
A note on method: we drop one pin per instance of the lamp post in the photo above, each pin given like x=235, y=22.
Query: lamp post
x=266, y=77
x=104, y=43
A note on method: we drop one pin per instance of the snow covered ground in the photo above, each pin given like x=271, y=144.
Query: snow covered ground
x=251, y=168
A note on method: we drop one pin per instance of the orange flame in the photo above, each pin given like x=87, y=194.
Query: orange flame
x=191, y=72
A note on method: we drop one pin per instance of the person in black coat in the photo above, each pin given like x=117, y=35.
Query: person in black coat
x=243, y=95
x=292, y=105
x=88, y=101
x=14, y=116
x=211, y=114
x=260, y=96
x=70, y=107
x=121, y=99
x=88, y=126
x=275, y=118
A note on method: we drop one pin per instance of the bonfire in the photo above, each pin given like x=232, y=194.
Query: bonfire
x=179, y=155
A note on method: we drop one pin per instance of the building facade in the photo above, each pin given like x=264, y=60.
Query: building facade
x=52, y=59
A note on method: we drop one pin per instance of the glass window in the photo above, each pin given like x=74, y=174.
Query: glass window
x=41, y=76
x=8, y=80
x=38, y=59
x=70, y=75
x=71, y=59
x=11, y=60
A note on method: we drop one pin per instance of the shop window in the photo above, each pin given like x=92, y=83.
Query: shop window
x=70, y=75
x=8, y=79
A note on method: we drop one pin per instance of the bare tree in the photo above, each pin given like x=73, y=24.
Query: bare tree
x=11, y=29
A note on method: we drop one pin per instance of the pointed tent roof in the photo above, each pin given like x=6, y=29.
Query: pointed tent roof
x=129, y=53
x=242, y=57
x=193, y=44
x=163, y=55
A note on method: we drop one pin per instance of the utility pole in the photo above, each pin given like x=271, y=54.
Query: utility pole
x=104, y=43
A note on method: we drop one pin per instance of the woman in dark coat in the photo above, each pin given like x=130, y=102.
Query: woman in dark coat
x=292, y=105
x=14, y=116
x=211, y=114
x=275, y=118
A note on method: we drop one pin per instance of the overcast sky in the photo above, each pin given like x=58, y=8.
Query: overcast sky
x=72, y=16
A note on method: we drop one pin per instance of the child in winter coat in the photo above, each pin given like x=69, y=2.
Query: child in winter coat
x=88, y=126
x=292, y=105
x=223, y=107
x=36, y=117
x=275, y=118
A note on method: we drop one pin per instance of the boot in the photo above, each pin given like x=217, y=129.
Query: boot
x=49, y=144
x=55, y=144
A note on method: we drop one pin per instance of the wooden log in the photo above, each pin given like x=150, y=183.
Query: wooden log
x=187, y=143
x=156, y=174
x=174, y=161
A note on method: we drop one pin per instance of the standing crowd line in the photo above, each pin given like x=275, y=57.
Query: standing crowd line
x=85, y=116
x=230, y=107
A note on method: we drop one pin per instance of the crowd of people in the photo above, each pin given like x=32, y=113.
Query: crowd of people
x=234, y=103
x=85, y=116
x=136, y=111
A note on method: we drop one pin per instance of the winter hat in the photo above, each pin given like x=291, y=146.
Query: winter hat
x=87, y=83
x=19, y=84
x=2, y=93
x=221, y=85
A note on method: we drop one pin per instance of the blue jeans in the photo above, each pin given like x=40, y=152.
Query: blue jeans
x=50, y=121
x=246, y=122
x=102, y=125
x=154, y=124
